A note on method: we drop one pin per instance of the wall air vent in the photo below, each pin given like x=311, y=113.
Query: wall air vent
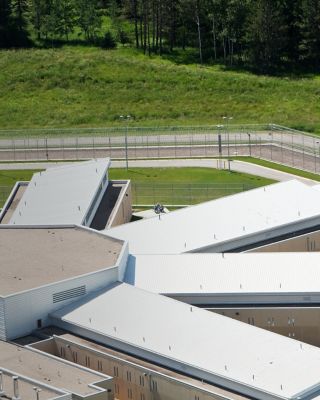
x=69, y=294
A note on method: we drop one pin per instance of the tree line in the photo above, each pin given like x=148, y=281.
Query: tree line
x=261, y=34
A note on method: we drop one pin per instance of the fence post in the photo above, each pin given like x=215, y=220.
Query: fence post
x=77, y=146
x=175, y=146
x=292, y=154
x=302, y=151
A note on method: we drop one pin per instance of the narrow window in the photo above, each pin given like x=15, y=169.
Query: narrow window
x=39, y=323
x=154, y=386
x=88, y=361
x=62, y=352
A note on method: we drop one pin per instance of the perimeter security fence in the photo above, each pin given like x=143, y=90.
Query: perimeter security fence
x=269, y=142
x=171, y=195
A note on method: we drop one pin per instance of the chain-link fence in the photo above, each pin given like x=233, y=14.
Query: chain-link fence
x=269, y=142
x=174, y=194
x=4, y=193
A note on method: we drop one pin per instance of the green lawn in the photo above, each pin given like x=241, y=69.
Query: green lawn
x=165, y=185
x=184, y=186
x=91, y=87
x=280, y=167
x=186, y=176
x=9, y=178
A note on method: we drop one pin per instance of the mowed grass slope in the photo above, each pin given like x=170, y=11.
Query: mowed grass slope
x=86, y=87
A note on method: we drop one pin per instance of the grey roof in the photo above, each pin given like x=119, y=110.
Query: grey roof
x=55, y=377
x=200, y=343
x=222, y=279
x=227, y=223
x=37, y=256
x=61, y=195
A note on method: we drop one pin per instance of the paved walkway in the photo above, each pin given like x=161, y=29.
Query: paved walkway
x=238, y=166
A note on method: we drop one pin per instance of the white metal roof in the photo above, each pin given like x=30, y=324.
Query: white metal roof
x=148, y=213
x=229, y=278
x=317, y=186
x=209, y=346
x=226, y=223
x=60, y=195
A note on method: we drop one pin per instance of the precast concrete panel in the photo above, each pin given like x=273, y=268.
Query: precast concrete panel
x=3, y=333
x=27, y=311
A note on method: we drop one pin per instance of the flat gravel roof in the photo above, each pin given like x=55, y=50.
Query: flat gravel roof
x=33, y=257
x=48, y=371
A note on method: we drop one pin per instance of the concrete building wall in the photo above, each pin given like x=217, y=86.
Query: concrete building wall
x=3, y=333
x=298, y=323
x=123, y=260
x=26, y=387
x=308, y=242
x=96, y=200
x=131, y=381
x=27, y=311
x=122, y=211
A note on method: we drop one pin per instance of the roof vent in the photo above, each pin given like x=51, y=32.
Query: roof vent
x=37, y=392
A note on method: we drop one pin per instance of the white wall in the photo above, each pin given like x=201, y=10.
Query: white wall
x=123, y=261
x=2, y=321
x=23, y=310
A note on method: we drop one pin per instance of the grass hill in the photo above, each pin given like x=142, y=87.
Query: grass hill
x=85, y=86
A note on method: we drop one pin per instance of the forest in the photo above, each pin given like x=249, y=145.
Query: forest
x=266, y=36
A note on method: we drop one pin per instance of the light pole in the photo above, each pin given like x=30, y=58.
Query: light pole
x=318, y=143
x=227, y=119
x=127, y=119
x=219, y=143
x=249, y=136
x=271, y=145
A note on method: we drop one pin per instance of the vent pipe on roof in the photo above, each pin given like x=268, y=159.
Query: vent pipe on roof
x=15, y=388
x=1, y=383
x=37, y=392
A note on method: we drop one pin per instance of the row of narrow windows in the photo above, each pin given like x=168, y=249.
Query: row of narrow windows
x=153, y=383
x=100, y=368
